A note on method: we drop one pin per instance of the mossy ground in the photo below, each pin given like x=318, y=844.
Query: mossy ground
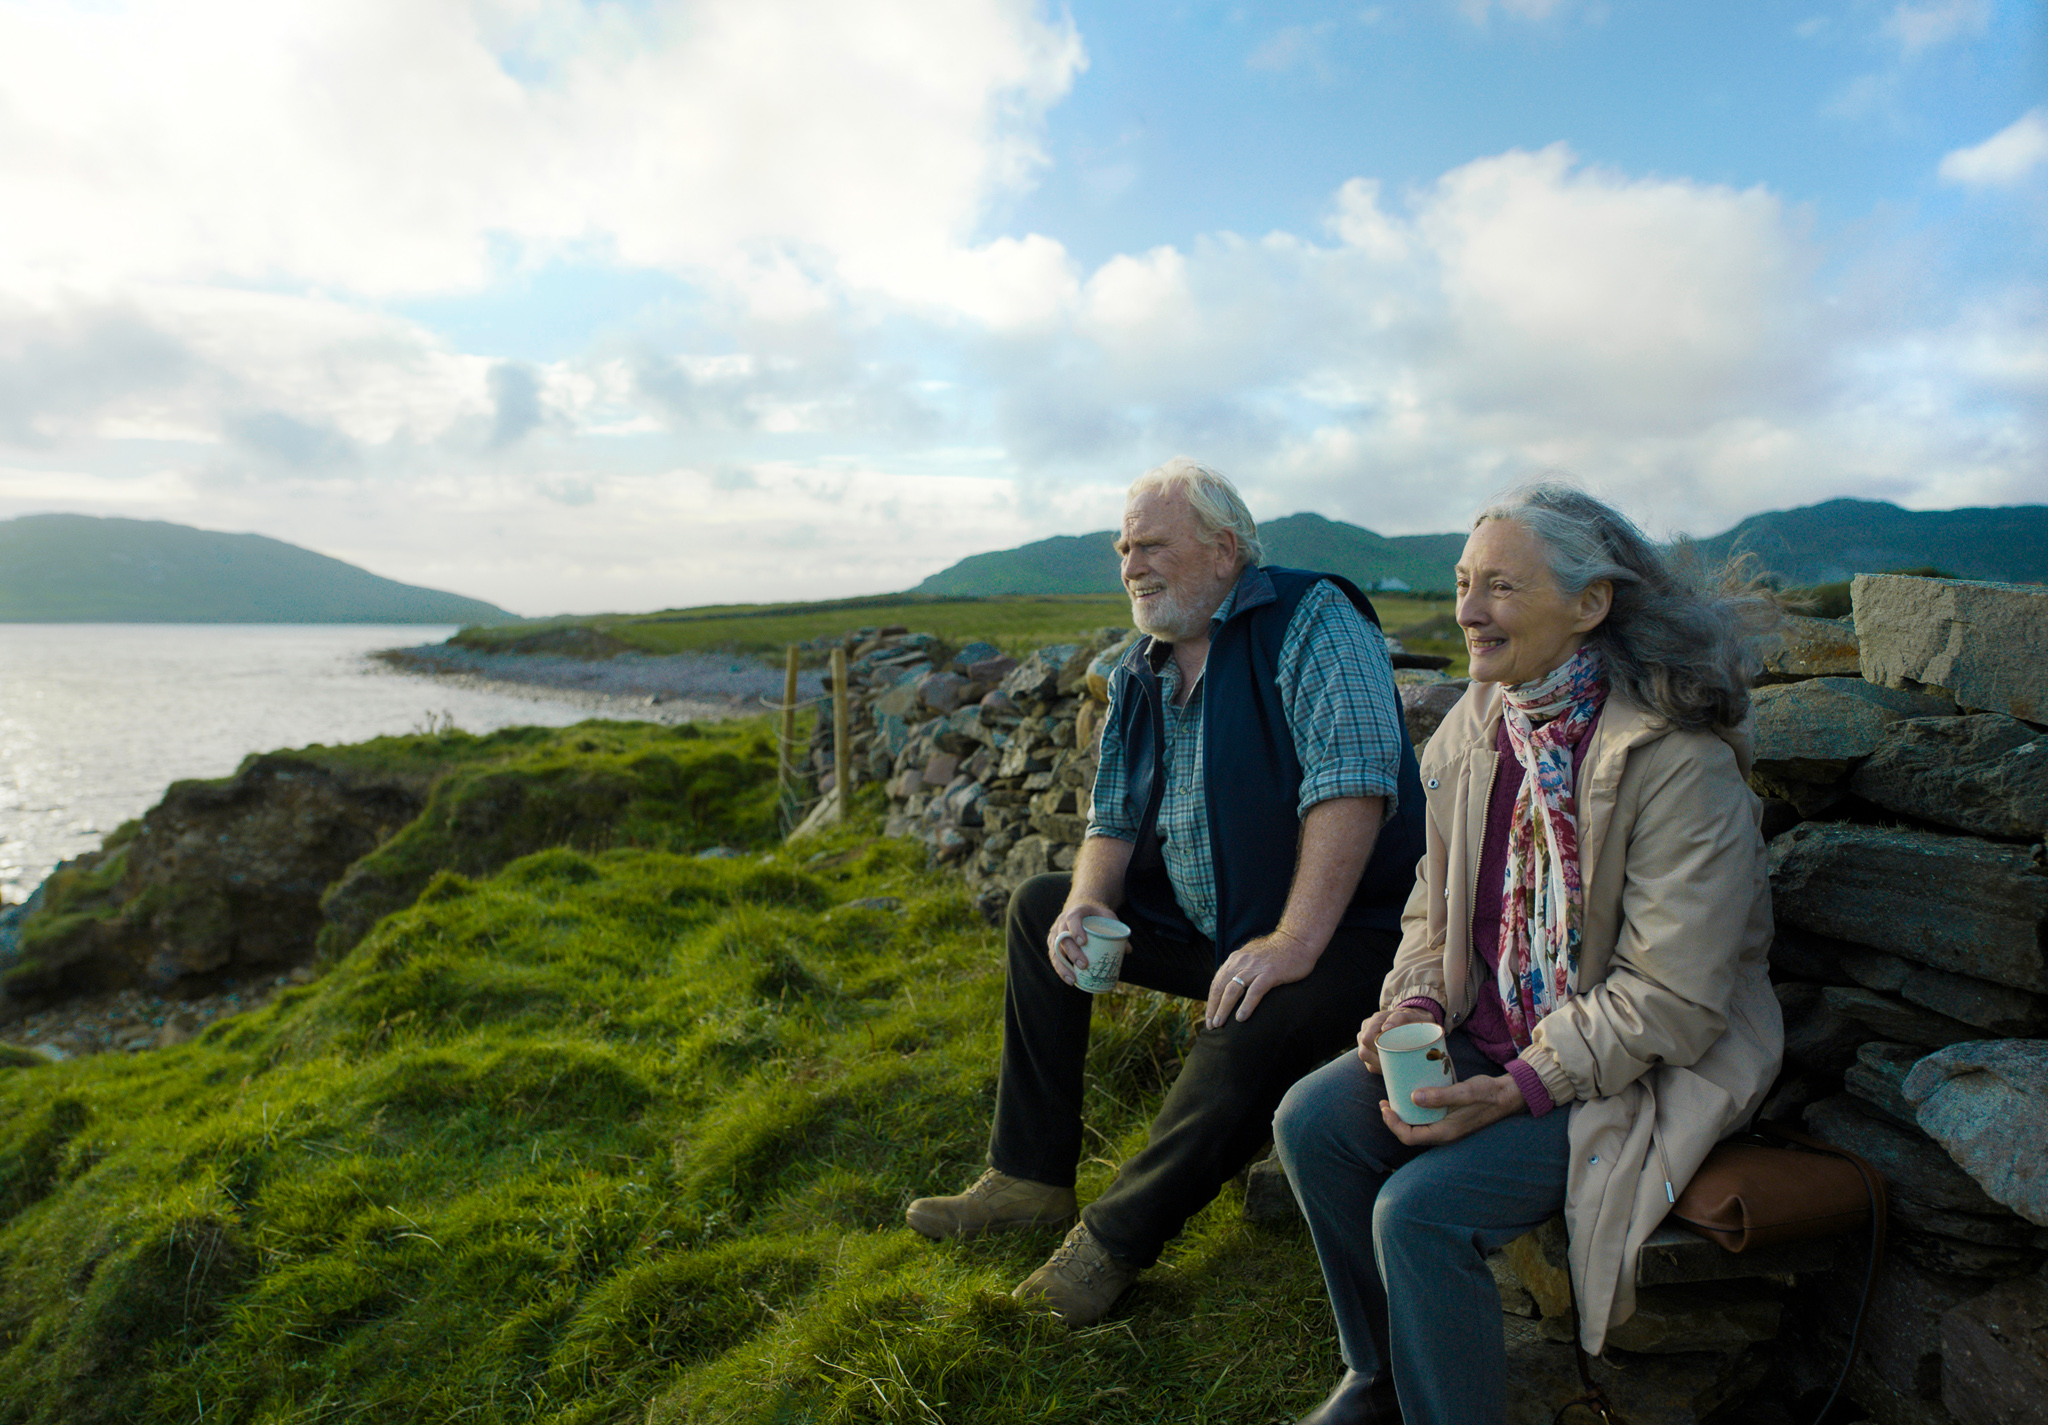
x=609, y=1135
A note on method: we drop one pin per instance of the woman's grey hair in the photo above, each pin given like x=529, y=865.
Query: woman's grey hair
x=1215, y=501
x=1676, y=640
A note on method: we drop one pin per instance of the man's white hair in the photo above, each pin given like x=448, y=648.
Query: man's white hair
x=1215, y=501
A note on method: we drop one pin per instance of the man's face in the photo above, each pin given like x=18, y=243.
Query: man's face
x=1175, y=581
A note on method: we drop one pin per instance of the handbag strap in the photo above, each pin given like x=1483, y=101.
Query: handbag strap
x=1873, y=1186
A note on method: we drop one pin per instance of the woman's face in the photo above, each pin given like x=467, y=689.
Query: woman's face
x=1518, y=624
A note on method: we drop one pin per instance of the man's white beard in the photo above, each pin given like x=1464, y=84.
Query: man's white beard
x=1168, y=618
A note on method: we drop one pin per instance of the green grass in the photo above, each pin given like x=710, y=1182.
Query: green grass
x=1014, y=624
x=488, y=800
x=609, y=1135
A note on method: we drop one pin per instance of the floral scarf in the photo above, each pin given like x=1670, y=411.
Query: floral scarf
x=1541, y=899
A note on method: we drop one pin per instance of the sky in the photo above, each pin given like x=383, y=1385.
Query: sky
x=620, y=306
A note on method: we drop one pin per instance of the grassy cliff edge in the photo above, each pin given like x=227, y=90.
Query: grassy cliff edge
x=608, y=1135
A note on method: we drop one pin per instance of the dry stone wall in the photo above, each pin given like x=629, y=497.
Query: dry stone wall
x=1904, y=762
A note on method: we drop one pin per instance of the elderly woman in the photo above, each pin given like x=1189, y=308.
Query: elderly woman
x=1589, y=925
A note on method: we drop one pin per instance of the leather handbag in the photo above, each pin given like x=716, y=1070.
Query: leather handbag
x=1756, y=1189
x=1780, y=1185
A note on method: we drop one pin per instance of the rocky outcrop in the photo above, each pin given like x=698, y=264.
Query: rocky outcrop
x=218, y=878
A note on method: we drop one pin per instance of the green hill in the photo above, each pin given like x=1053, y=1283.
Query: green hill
x=1087, y=564
x=1817, y=544
x=1830, y=542
x=85, y=569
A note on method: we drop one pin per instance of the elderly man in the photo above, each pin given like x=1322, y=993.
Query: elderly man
x=1257, y=820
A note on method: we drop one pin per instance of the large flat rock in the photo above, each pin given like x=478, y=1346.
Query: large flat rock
x=1987, y=1104
x=1978, y=643
x=1999, y=1009
x=1986, y=774
x=1816, y=729
x=1894, y=1019
x=1952, y=902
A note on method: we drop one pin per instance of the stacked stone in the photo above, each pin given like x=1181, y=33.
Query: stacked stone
x=990, y=760
x=1906, y=764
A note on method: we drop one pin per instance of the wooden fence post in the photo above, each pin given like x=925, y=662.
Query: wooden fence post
x=842, y=754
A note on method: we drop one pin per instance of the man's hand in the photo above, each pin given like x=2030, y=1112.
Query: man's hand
x=1254, y=968
x=1065, y=941
x=1473, y=1104
x=1370, y=1031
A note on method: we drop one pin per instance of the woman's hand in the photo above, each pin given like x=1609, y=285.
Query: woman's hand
x=1370, y=1031
x=1473, y=1104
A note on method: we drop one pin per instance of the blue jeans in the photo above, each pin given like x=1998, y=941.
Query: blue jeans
x=1412, y=1226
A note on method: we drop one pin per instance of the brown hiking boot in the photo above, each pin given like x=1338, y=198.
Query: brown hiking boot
x=1079, y=1282
x=996, y=1202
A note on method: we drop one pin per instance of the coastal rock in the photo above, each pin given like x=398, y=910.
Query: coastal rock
x=1979, y=643
x=1948, y=901
x=1809, y=648
x=1987, y=1104
x=217, y=876
x=1986, y=774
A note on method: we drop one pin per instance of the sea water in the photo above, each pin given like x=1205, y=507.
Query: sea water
x=96, y=720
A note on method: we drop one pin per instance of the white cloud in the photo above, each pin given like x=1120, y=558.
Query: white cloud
x=2005, y=158
x=1633, y=302
x=383, y=147
x=1920, y=25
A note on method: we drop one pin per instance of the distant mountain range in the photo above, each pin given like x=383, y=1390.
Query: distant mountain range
x=1818, y=544
x=1087, y=563
x=85, y=569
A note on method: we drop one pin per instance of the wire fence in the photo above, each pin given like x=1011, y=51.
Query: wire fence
x=793, y=807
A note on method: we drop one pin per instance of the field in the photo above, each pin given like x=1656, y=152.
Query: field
x=1014, y=624
x=610, y=1132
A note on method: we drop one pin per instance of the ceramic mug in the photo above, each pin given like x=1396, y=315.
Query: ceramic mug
x=1104, y=945
x=1415, y=1056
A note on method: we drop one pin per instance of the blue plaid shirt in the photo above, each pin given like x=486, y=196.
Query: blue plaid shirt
x=1337, y=689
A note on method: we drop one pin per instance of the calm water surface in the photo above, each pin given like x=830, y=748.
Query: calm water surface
x=97, y=719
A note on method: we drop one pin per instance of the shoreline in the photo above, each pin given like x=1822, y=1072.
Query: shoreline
x=664, y=688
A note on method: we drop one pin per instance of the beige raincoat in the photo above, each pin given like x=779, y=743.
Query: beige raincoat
x=1673, y=1035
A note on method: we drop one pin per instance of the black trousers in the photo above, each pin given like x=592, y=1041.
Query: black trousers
x=1219, y=1111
